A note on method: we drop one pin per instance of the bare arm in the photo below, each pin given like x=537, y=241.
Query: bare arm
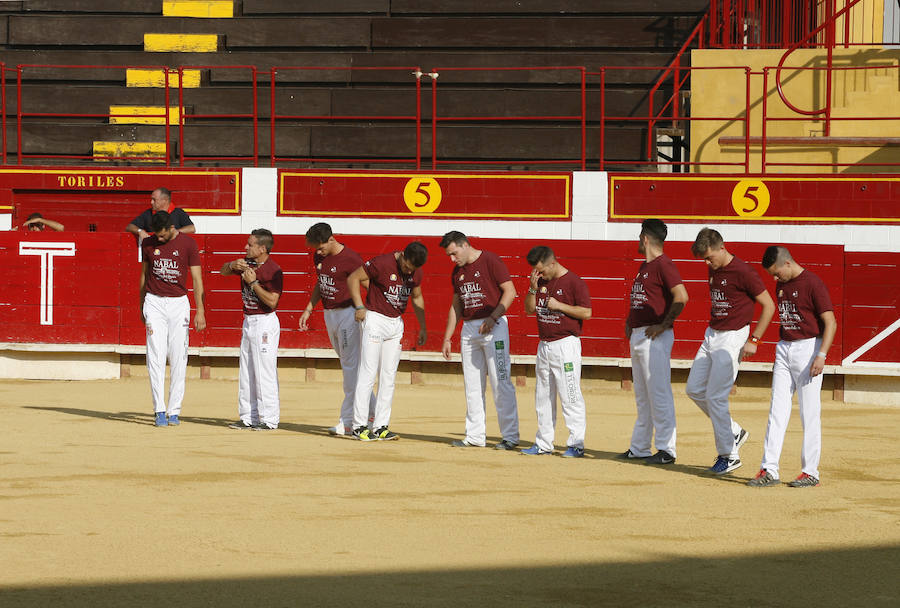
x=818, y=363
x=314, y=298
x=353, y=285
x=189, y=229
x=269, y=298
x=531, y=296
x=139, y=233
x=199, y=298
x=507, y=295
x=453, y=317
x=765, y=317
x=234, y=267
x=418, y=303
x=53, y=225
x=570, y=310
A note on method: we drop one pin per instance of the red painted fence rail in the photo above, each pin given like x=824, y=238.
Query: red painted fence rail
x=87, y=283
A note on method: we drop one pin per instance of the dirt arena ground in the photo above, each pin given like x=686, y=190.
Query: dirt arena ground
x=99, y=508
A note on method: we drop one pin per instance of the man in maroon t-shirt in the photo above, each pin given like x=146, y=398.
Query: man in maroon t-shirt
x=482, y=293
x=334, y=262
x=167, y=258
x=807, y=331
x=562, y=303
x=262, y=282
x=657, y=298
x=734, y=288
x=394, y=279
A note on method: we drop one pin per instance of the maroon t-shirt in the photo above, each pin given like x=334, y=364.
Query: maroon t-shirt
x=270, y=278
x=651, y=292
x=389, y=289
x=568, y=289
x=168, y=264
x=478, y=285
x=333, y=271
x=732, y=294
x=800, y=302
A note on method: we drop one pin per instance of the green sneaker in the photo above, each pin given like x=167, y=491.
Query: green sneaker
x=363, y=434
x=383, y=434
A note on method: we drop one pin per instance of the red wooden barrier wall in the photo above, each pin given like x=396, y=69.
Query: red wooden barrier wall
x=95, y=295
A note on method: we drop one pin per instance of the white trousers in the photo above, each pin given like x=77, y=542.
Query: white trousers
x=167, y=321
x=713, y=373
x=378, y=358
x=790, y=374
x=343, y=332
x=652, y=375
x=487, y=356
x=258, y=401
x=558, y=371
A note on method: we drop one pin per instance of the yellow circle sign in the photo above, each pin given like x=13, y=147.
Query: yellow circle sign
x=422, y=195
x=750, y=198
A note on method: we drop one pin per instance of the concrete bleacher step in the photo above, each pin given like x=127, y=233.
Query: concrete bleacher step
x=181, y=43
x=148, y=152
x=150, y=78
x=143, y=115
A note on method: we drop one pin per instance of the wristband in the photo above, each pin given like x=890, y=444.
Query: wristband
x=532, y=290
x=823, y=355
x=754, y=340
x=252, y=283
x=358, y=307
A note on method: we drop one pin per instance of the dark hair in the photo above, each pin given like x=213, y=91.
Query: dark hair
x=655, y=229
x=33, y=216
x=165, y=192
x=541, y=253
x=319, y=233
x=454, y=236
x=775, y=255
x=264, y=238
x=416, y=253
x=160, y=221
x=707, y=239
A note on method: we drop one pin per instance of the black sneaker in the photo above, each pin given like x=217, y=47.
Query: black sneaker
x=661, y=457
x=239, y=425
x=629, y=455
x=363, y=433
x=462, y=443
x=763, y=479
x=383, y=434
x=262, y=426
x=507, y=445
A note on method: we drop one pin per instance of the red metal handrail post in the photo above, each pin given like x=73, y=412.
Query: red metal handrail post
x=726, y=24
x=830, y=37
x=272, y=116
x=18, y=114
x=254, y=75
x=583, y=119
x=740, y=23
x=3, y=105
x=434, y=119
x=602, y=117
x=418, y=74
x=847, y=27
x=785, y=24
x=747, y=122
x=180, y=118
x=713, y=21
x=765, y=119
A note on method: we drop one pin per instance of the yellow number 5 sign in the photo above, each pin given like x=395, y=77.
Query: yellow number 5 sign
x=422, y=195
x=750, y=198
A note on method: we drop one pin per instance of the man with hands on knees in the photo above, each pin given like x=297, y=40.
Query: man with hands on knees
x=394, y=279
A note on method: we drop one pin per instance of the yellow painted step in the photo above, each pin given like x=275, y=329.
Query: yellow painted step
x=135, y=77
x=141, y=115
x=181, y=43
x=148, y=152
x=199, y=8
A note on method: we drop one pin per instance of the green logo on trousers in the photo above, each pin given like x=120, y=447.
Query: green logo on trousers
x=569, y=367
x=498, y=344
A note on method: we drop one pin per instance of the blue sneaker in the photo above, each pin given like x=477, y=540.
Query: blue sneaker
x=573, y=452
x=161, y=419
x=724, y=464
x=173, y=420
x=535, y=451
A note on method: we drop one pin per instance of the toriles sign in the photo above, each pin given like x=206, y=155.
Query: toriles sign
x=793, y=199
x=437, y=195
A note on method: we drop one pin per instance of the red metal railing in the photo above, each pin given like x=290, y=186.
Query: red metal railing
x=774, y=24
x=655, y=117
x=581, y=118
x=253, y=115
x=416, y=118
